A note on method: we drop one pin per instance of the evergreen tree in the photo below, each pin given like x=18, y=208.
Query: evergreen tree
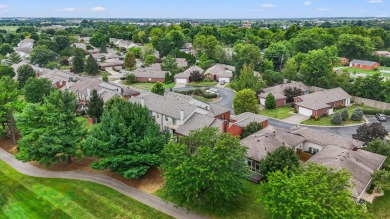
x=14, y=58
x=270, y=101
x=92, y=67
x=95, y=106
x=103, y=48
x=336, y=119
x=25, y=72
x=158, y=88
x=36, y=89
x=344, y=115
x=130, y=60
x=78, y=61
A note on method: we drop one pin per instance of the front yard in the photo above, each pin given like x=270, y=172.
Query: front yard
x=327, y=120
x=147, y=86
x=278, y=113
x=202, y=84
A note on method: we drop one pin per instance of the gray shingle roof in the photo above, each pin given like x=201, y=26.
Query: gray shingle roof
x=362, y=62
x=361, y=164
x=198, y=121
x=320, y=99
x=326, y=138
x=187, y=73
x=221, y=70
x=279, y=89
x=153, y=71
x=246, y=118
x=216, y=110
x=276, y=95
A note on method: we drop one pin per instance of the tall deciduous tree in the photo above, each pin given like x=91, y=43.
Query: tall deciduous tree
x=368, y=133
x=41, y=55
x=206, y=169
x=95, y=106
x=91, y=67
x=6, y=71
x=355, y=46
x=50, y=132
x=130, y=60
x=169, y=64
x=283, y=159
x=5, y=49
x=127, y=140
x=36, y=89
x=248, y=80
x=314, y=191
x=24, y=73
x=246, y=54
x=245, y=101
x=158, y=88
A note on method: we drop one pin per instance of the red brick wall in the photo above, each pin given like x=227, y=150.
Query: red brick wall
x=265, y=124
x=336, y=104
x=142, y=79
x=320, y=112
x=280, y=102
x=366, y=67
x=235, y=130
x=227, y=116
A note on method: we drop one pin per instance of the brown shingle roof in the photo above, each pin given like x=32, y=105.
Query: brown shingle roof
x=320, y=99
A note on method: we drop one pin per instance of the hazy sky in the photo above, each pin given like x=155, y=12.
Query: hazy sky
x=194, y=8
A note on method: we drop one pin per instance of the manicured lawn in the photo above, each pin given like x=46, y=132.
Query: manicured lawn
x=148, y=86
x=246, y=209
x=326, y=121
x=202, y=84
x=278, y=113
x=9, y=28
x=379, y=209
x=29, y=197
x=367, y=72
x=206, y=100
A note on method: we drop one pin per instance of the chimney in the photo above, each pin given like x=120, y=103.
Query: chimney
x=63, y=83
x=88, y=93
x=225, y=126
x=58, y=85
x=181, y=117
x=142, y=102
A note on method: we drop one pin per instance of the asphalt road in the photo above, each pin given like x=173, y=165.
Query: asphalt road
x=143, y=197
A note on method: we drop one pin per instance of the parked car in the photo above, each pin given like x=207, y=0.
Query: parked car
x=213, y=90
x=380, y=117
x=122, y=78
x=222, y=82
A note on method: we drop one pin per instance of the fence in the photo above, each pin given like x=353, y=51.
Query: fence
x=371, y=103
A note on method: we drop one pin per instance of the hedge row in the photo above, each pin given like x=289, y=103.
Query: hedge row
x=198, y=92
x=375, y=111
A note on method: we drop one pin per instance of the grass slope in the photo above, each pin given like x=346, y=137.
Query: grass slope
x=29, y=197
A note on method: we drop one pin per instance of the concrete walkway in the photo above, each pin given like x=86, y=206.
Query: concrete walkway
x=147, y=199
x=296, y=118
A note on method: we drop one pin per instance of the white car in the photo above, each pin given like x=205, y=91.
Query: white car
x=213, y=90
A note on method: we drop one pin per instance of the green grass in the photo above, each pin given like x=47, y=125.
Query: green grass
x=367, y=72
x=9, y=28
x=326, y=121
x=84, y=122
x=147, y=86
x=202, y=84
x=34, y=198
x=65, y=67
x=246, y=208
x=379, y=209
x=278, y=113
x=206, y=100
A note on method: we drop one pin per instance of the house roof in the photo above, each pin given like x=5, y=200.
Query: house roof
x=279, y=89
x=320, y=99
x=221, y=70
x=111, y=62
x=198, y=121
x=362, y=62
x=181, y=62
x=153, y=71
x=276, y=95
x=187, y=73
x=361, y=164
x=268, y=140
x=246, y=118
x=326, y=138
x=216, y=110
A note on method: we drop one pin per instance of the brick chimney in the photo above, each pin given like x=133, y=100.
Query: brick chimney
x=63, y=84
x=225, y=126
x=58, y=85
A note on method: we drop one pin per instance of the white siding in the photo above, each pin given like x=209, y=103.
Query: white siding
x=262, y=101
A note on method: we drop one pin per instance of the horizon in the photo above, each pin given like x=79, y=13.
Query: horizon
x=202, y=9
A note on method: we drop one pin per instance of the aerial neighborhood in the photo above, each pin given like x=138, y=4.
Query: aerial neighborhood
x=194, y=118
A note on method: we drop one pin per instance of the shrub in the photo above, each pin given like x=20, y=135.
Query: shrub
x=371, y=111
x=130, y=79
x=344, y=115
x=336, y=119
x=105, y=78
x=292, y=105
x=270, y=101
x=357, y=115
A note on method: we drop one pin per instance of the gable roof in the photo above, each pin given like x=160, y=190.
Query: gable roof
x=276, y=95
x=216, y=110
x=181, y=62
x=244, y=119
x=153, y=71
x=325, y=138
x=198, y=121
x=187, y=73
x=278, y=90
x=361, y=164
x=221, y=70
x=320, y=99
x=362, y=62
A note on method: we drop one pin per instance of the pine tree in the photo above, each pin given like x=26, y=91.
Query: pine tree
x=91, y=67
x=78, y=62
x=270, y=101
x=103, y=48
x=25, y=72
x=95, y=106
x=158, y=88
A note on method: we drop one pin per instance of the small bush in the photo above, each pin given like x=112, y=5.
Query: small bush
x=336, y=119
x=295, y=110
x=131, y=79
x=292, y=105
x=344, y=115
x=371, y=111
x=370, y=191
x=357, y=115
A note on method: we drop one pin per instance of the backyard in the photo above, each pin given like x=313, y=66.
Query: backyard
x=278, y=113
x=148, y=86
x=327, y=120
x=245, y=209
x=29, y=197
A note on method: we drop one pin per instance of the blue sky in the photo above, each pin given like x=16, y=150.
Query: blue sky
x=195, y=8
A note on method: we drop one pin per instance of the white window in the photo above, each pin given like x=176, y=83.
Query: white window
x=254, y=166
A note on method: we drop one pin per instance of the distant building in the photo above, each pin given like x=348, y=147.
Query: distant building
x=362, y=64
x=344, y=60
x=382, y=53
x=246, y=24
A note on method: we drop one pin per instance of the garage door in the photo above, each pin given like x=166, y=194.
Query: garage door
x=262, y=101
x=305, y=111
x=227, y=80
x=181, y=81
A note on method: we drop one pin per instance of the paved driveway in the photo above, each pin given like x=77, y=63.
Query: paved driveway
x=180, y=85
x=296, y=118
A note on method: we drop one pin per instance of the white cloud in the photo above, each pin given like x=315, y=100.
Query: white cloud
x=323, y=9
x=375, y=1
x=98, y=9
x=266, y=5
x=307, y=3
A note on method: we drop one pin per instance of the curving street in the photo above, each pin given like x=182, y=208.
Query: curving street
x=145, y=198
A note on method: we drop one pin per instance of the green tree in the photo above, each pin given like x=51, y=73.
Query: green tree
x=103, y=48
x=127, y=140
x=344, y=115
x=336, y=119
x=50, y=131
x=246, y=54
x=253, y=127
x=78, y=61
x=266, y=65
x=354, y=46
x=105, y=78
x=62, y=42
x=248, y=80
x=245, y=101
x=291, y=195
x=290, y=71
x=14, y=58
x=52, y=65
x=95, y=105
x=24, y=73
x=6, y=71
x=381, y=147
x=98, y=39
x=272, y=77
x=357, y=115
x=282, y=159
x=158, y=88
x=150, y=59
x=368, y=133
x=36, y=89
x=206, y=169
x=176, y=37
x=91, y=67
x=270, y=101
x=381, y=178
x=169, y=64
x=131, y=79
x=278, y=53
x=130, y=60
x=10, y=102
x=41, y=55
x=5, y=49
x=147, y=50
